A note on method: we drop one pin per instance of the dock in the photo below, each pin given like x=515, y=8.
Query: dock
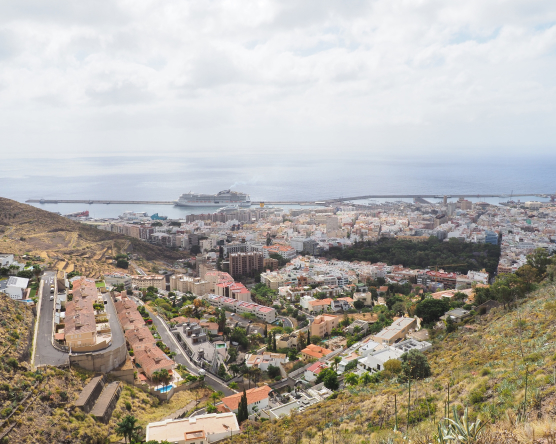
x=297, y=202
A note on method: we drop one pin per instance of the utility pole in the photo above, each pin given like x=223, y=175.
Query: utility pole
x=396, y=411
x=409, y=402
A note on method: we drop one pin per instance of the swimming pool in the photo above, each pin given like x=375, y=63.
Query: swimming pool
x=164, y=389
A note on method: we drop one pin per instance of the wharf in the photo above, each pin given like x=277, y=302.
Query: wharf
x=297, y=202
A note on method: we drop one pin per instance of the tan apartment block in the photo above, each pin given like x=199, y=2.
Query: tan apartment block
x=323, y=325
x=149, y=280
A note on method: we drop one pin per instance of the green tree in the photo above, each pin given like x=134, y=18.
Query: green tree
x=329, y=378
x=540, y=260
x=415, y=365
x=351, y=379
x=122, y=263
x=315, y=339
x=127, y=427
x=335, y=362
x=507, y=288
x=430, y=310
x=358, y=304
x=242, y=411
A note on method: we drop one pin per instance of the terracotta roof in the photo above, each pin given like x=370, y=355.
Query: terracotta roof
x=140, y=338
x=152, y=359
x=253, y=395
x=315, y=351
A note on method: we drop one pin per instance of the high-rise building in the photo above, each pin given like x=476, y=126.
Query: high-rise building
x=244, y=264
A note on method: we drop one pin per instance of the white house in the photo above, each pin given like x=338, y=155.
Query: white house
x=15, y=288
x=375, y=363
x=6, y=260
x=257, y=400
x=265, y=360
x=202, y=429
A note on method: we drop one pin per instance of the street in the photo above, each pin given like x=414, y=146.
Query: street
x=45, y=353
x=181, y=358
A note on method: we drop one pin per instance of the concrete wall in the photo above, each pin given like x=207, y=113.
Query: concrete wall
x=101, y=362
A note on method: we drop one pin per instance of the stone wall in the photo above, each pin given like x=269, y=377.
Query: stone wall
x=101, y=362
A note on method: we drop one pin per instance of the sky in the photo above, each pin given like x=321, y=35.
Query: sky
x=314, y=78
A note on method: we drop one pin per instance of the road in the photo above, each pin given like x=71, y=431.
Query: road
x=181, y=357
x=285, y=321
x=45, y=353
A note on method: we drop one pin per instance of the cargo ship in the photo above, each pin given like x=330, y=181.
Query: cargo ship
x=222, y=198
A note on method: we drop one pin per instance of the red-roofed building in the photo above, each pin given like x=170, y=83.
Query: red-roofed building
x=313, y=371
x=256, y=397
x=313, y=351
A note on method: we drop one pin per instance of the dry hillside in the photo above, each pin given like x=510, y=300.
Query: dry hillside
x=488, y=365
x=66, y=244
x=37, y=407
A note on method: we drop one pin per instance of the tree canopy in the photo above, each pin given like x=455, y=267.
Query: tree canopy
x=430, y=310
x=423, y=254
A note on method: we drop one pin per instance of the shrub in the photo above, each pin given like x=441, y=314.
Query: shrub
x=128, y=406
x=485, y=372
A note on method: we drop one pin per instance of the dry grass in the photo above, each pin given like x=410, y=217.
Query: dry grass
x=65, y=244
x=486, y=370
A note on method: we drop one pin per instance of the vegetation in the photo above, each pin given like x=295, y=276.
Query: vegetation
x=423, y=254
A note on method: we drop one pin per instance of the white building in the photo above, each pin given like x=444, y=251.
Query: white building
x=6, y=260
x=116, y=278
x=202, y=429
x=15, y=288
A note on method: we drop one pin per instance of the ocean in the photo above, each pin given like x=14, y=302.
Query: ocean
x=266, y=177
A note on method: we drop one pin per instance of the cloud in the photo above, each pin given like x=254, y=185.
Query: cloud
x=307, y=77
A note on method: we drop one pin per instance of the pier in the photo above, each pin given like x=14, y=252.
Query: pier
x=320, y=202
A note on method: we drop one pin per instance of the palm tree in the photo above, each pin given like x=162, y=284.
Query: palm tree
x=155, y=378
x=335, y=362
x=216, y=396
x=165, y=377
x=37, y=271
x=127, y=427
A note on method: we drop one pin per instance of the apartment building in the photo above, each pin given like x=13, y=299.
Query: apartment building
x=245, y=264
x=152, y=359
x=149, y=280
x=286, y=252
x=268, y=314
x=116, y=278
x=323, y=324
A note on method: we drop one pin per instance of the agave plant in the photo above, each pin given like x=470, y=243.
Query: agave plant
x=459, y=429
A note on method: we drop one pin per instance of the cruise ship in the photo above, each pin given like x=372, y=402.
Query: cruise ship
x=223, y=198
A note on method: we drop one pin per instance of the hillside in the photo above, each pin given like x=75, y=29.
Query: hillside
x=486, y=364
x=66, y=244
x=37, y=406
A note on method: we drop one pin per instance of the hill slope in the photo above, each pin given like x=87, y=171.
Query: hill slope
x=486, y=365
x=66, y=243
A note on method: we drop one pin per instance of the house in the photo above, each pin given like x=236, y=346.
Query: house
x=202, y=429
x=324, y=324
x=286, y=341
x=363, y=326
x=140, y=338
x=6, y=260
x=340, y=305
x=313, y=351
x=152, y=359
x=369, y=348
x=319, y=305
x=313, y=371
x=346, y=360
x=395, y=332
x=366, y=298
x=15, y=288
x=375, y=362
x=265, y=360
x=457, y=314
x=257, y=399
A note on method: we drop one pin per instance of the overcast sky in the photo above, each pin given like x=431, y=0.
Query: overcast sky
x=197, y=77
